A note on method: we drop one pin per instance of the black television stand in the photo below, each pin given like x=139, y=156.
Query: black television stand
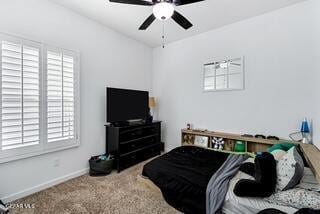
x=133, y=143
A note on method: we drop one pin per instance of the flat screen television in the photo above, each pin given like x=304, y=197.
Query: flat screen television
x=124, y=105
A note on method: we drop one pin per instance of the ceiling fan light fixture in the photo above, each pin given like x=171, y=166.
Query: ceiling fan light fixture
x=163, y=10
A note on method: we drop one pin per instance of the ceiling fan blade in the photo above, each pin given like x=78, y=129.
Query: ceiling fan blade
x=136, y=2
x=183, y=2
x=181, y=20
x=147, y=22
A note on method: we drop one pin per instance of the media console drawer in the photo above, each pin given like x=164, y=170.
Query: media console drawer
x=128, y=147
x=133, y=144
x=136, y=133
x=130, y=159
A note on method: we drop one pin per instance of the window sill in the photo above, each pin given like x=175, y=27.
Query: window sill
x=37, y=153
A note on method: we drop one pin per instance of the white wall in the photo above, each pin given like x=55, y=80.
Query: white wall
x=107, y=59
x=282, y=72
x=316, y=57
x=280, y=76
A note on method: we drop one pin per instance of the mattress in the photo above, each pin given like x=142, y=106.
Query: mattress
x=183, y=175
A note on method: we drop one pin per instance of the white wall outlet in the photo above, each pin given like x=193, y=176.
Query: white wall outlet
x=56, y=162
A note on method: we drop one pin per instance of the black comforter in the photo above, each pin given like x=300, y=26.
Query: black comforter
x=183, y=175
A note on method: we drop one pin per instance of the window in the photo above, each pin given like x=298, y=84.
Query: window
x=224, y=75
x=60, y=94
x=20, y=95
x=39, y=98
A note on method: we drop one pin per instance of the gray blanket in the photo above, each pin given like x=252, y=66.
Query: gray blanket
x=218, y=185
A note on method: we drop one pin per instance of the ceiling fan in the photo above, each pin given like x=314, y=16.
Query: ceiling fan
x=162, y=10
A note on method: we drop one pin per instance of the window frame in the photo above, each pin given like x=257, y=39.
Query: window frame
x=63, y=143
x=43, y=147
x=226, y=75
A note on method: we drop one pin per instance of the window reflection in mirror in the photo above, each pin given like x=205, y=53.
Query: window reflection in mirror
x=224, y=75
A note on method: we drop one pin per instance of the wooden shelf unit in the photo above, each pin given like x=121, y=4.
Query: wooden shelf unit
x=252, y=144
x=310, y=152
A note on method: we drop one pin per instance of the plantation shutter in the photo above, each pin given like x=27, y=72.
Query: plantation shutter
x=20, y=95
x=60, y=96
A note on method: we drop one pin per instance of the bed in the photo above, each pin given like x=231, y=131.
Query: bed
x=183, y=175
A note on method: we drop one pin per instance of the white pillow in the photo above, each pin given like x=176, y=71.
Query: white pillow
x=289, y=170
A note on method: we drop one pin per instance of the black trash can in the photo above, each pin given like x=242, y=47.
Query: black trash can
x=100, y=166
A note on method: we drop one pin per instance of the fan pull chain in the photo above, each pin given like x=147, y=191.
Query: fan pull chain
x=162, y=34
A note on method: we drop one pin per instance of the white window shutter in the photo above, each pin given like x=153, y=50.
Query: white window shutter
x=68, y=96
x=60, y=96
x=20, y=95
x=39, y=98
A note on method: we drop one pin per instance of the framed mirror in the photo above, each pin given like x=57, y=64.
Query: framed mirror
x=224, y=75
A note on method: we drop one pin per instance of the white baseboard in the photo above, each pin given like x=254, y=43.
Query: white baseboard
x=53, y=182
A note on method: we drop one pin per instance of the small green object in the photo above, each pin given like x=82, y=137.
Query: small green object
x=239, y=146
x=281, y=146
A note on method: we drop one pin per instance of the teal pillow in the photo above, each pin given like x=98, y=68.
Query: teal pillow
x=281, y=146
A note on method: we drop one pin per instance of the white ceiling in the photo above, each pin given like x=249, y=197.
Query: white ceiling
x=206, y=15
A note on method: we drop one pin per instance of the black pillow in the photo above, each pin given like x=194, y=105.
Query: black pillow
x=271, y=211
x=265, y=175
x=247, y=168
x=307, y=211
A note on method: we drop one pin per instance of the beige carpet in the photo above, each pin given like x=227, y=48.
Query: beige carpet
x=117, y=193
